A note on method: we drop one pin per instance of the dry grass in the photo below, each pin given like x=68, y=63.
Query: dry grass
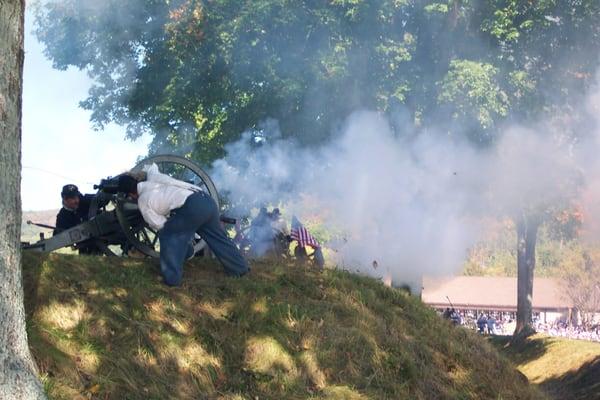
x=103, y=328
x=566, y=369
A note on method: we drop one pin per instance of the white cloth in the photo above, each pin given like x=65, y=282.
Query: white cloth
x=159, y=194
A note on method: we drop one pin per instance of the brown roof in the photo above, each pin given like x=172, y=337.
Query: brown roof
x=479, y=292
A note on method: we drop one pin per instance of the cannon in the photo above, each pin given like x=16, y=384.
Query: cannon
x=116, y=226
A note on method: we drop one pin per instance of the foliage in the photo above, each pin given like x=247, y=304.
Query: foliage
x=558, y=245
x=198, y=73
x=107, y=328
x=581, y=277
x=472, y=90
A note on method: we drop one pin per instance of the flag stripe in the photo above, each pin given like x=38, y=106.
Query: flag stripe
x=301, y=234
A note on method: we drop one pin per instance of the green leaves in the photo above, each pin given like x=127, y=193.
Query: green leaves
x=502, y=24
x=220, y=67
x=471, y=90
x=436, y=8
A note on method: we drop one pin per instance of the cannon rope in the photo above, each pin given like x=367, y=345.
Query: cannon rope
x=57, y=175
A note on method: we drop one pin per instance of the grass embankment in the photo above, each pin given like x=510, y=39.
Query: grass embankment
x=564, y=368
x=107, y=328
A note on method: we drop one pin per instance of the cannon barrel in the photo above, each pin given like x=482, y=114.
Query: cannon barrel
x=109, y=185
x=103, y=225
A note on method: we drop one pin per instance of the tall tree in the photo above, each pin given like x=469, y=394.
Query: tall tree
x=535, y=61
x=581, y=282
x=18, y=372
x=527, y=230
x=197, y=73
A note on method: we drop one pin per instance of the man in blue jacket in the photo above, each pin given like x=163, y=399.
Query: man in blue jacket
x=74, y=211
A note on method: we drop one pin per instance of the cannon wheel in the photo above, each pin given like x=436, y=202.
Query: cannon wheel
x=146, y=239
x=280, y=244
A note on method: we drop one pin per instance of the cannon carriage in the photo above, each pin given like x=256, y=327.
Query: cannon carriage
x=115, y=225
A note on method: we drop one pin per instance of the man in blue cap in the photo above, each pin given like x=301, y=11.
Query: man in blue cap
x=75, y=210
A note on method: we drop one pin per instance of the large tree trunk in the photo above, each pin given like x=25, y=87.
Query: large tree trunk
x=527, y=228
x=18, y=373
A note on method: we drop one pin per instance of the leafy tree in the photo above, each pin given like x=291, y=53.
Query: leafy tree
x=581, y=277
x=198, y=73
x=547, y=46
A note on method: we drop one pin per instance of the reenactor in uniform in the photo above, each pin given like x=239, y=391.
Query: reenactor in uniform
x=74, y=211
x=75, y=208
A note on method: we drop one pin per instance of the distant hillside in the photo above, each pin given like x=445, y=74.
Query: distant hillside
x=47, y=217
x=106, y=328
x=31, y=233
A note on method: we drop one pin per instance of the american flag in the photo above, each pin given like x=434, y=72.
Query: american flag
x=300, y=234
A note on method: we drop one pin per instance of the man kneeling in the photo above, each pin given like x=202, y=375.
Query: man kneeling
x=74, y=211
x=178, y=210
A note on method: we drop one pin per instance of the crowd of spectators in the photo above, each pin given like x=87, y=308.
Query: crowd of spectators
x=562, y=329
x=504, y=323
x=491, y=323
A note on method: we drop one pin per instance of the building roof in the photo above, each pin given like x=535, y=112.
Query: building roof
x=493, y=293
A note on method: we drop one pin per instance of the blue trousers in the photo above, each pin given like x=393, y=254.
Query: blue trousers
x=198, y=214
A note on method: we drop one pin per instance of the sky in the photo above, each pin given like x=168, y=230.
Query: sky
x=59, y=145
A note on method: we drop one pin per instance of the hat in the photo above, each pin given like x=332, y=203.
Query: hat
x=70, y=190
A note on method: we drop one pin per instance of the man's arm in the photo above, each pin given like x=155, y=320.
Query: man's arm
x=61, y=222
x=84, y=206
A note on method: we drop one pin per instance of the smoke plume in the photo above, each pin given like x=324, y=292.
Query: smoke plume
x=405, y=197
x=409, y=203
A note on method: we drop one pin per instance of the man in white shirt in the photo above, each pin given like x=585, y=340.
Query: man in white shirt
x=178, y=210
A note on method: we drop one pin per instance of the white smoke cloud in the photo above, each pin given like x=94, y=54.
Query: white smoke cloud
x=402, y=202
x=412, y=202
x=590, y=196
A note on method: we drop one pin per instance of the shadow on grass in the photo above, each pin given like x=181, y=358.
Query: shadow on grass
x=102, y=328
x=546, y=358
x=583, y=384
x=521, y=352
x=105, y=328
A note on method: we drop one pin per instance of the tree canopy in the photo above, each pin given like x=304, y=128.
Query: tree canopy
x=195, y=74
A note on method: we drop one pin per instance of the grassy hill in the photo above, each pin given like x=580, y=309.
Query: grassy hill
x=565, y=369
x=105, y=328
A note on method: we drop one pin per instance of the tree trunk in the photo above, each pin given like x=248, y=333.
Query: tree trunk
x=527, y=228
x=18, y=372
